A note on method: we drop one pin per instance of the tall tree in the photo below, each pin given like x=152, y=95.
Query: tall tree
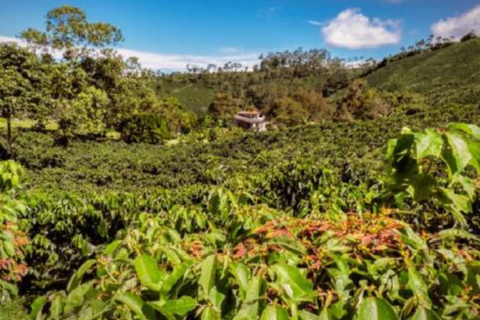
x=68, y=30
x=23, y=85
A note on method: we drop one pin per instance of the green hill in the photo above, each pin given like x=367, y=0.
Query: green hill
x=194, y=97
x=451, y=73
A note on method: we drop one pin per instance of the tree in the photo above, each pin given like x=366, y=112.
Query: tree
x=23, y=85
x=224, y=106
x=85, y=114
x=68, y=30
x=289, y=112
x=315, y=104
x=361, y=102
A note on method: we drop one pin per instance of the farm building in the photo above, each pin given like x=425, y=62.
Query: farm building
x=251, y=120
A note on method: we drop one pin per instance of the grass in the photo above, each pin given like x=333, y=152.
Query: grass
x=26, y=124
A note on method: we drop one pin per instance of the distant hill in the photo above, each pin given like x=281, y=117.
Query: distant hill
x=451, y=73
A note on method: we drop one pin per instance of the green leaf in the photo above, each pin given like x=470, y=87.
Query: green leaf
x=457, y=204
x=470, y=129
x=77, y=296
x=112, y=247
x=148, y=272
x=376, y=309
x=460, y=153
x=216, y=298
x=422, y=186
x=417, y=285
x=78, y=276
x=207, y=274
x=136, y=304
x=474, y=148
x=241, y=274
x=274, y=313
x=177, y=274
x=179, y=307
x=251, y=305
x=210, y=314
x=288, y=244
x=56, y=307
x=325, y=315
x=428, y=144
x=423, y=313
x=305, y=315
x=295, y=285
x=457, y=233
x=37, y=306
x=467, y=184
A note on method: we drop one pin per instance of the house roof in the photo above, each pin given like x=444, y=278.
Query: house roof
x=250, y=113
x=239, y=117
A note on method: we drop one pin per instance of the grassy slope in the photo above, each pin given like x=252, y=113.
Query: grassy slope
x=433, y=73
x=194, y=97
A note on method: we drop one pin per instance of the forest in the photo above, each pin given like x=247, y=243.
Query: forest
x=127, y=193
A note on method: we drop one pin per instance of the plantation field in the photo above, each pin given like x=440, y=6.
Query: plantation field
x=124, y=167
x=128, y=194
x=294, y=240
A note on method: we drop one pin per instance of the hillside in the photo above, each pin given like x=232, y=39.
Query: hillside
x=450, y=74
x=196, y=98
x=440, y=73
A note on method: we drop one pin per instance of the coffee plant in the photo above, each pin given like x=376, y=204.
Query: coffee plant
x=273, y=249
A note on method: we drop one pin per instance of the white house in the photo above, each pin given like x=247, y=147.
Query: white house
x=250, y=120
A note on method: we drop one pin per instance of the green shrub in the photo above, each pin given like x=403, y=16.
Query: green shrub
x=145, y=127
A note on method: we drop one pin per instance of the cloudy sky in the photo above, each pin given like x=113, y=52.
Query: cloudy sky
x=168, y=34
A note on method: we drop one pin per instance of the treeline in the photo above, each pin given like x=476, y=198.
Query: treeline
x=290, y=87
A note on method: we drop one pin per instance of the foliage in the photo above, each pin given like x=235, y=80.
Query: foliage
x=305, y=222
x=68, y=29
x=23, y=85
x=431, y=166
x=13, y=310
x=238, y=261
x=147, y=128
x=12, y=239
x=440, y=72
x=223, y=106
x=84, y=114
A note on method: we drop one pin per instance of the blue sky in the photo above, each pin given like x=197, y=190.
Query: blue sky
x=179, y=31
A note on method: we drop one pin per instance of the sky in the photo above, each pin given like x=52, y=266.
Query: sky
x=169, y=34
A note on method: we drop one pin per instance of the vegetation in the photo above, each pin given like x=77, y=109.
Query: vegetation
x=140, y=201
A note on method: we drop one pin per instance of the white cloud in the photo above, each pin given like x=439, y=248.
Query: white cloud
x=176, y=62
x=10, y=39
x=353, y=30
x=458, y=26
x=229, y=50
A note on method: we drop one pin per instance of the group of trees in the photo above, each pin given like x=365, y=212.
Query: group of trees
x=70, y=74
x=290, y=87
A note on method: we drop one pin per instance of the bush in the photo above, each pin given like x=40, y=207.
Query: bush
x=146, y=128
